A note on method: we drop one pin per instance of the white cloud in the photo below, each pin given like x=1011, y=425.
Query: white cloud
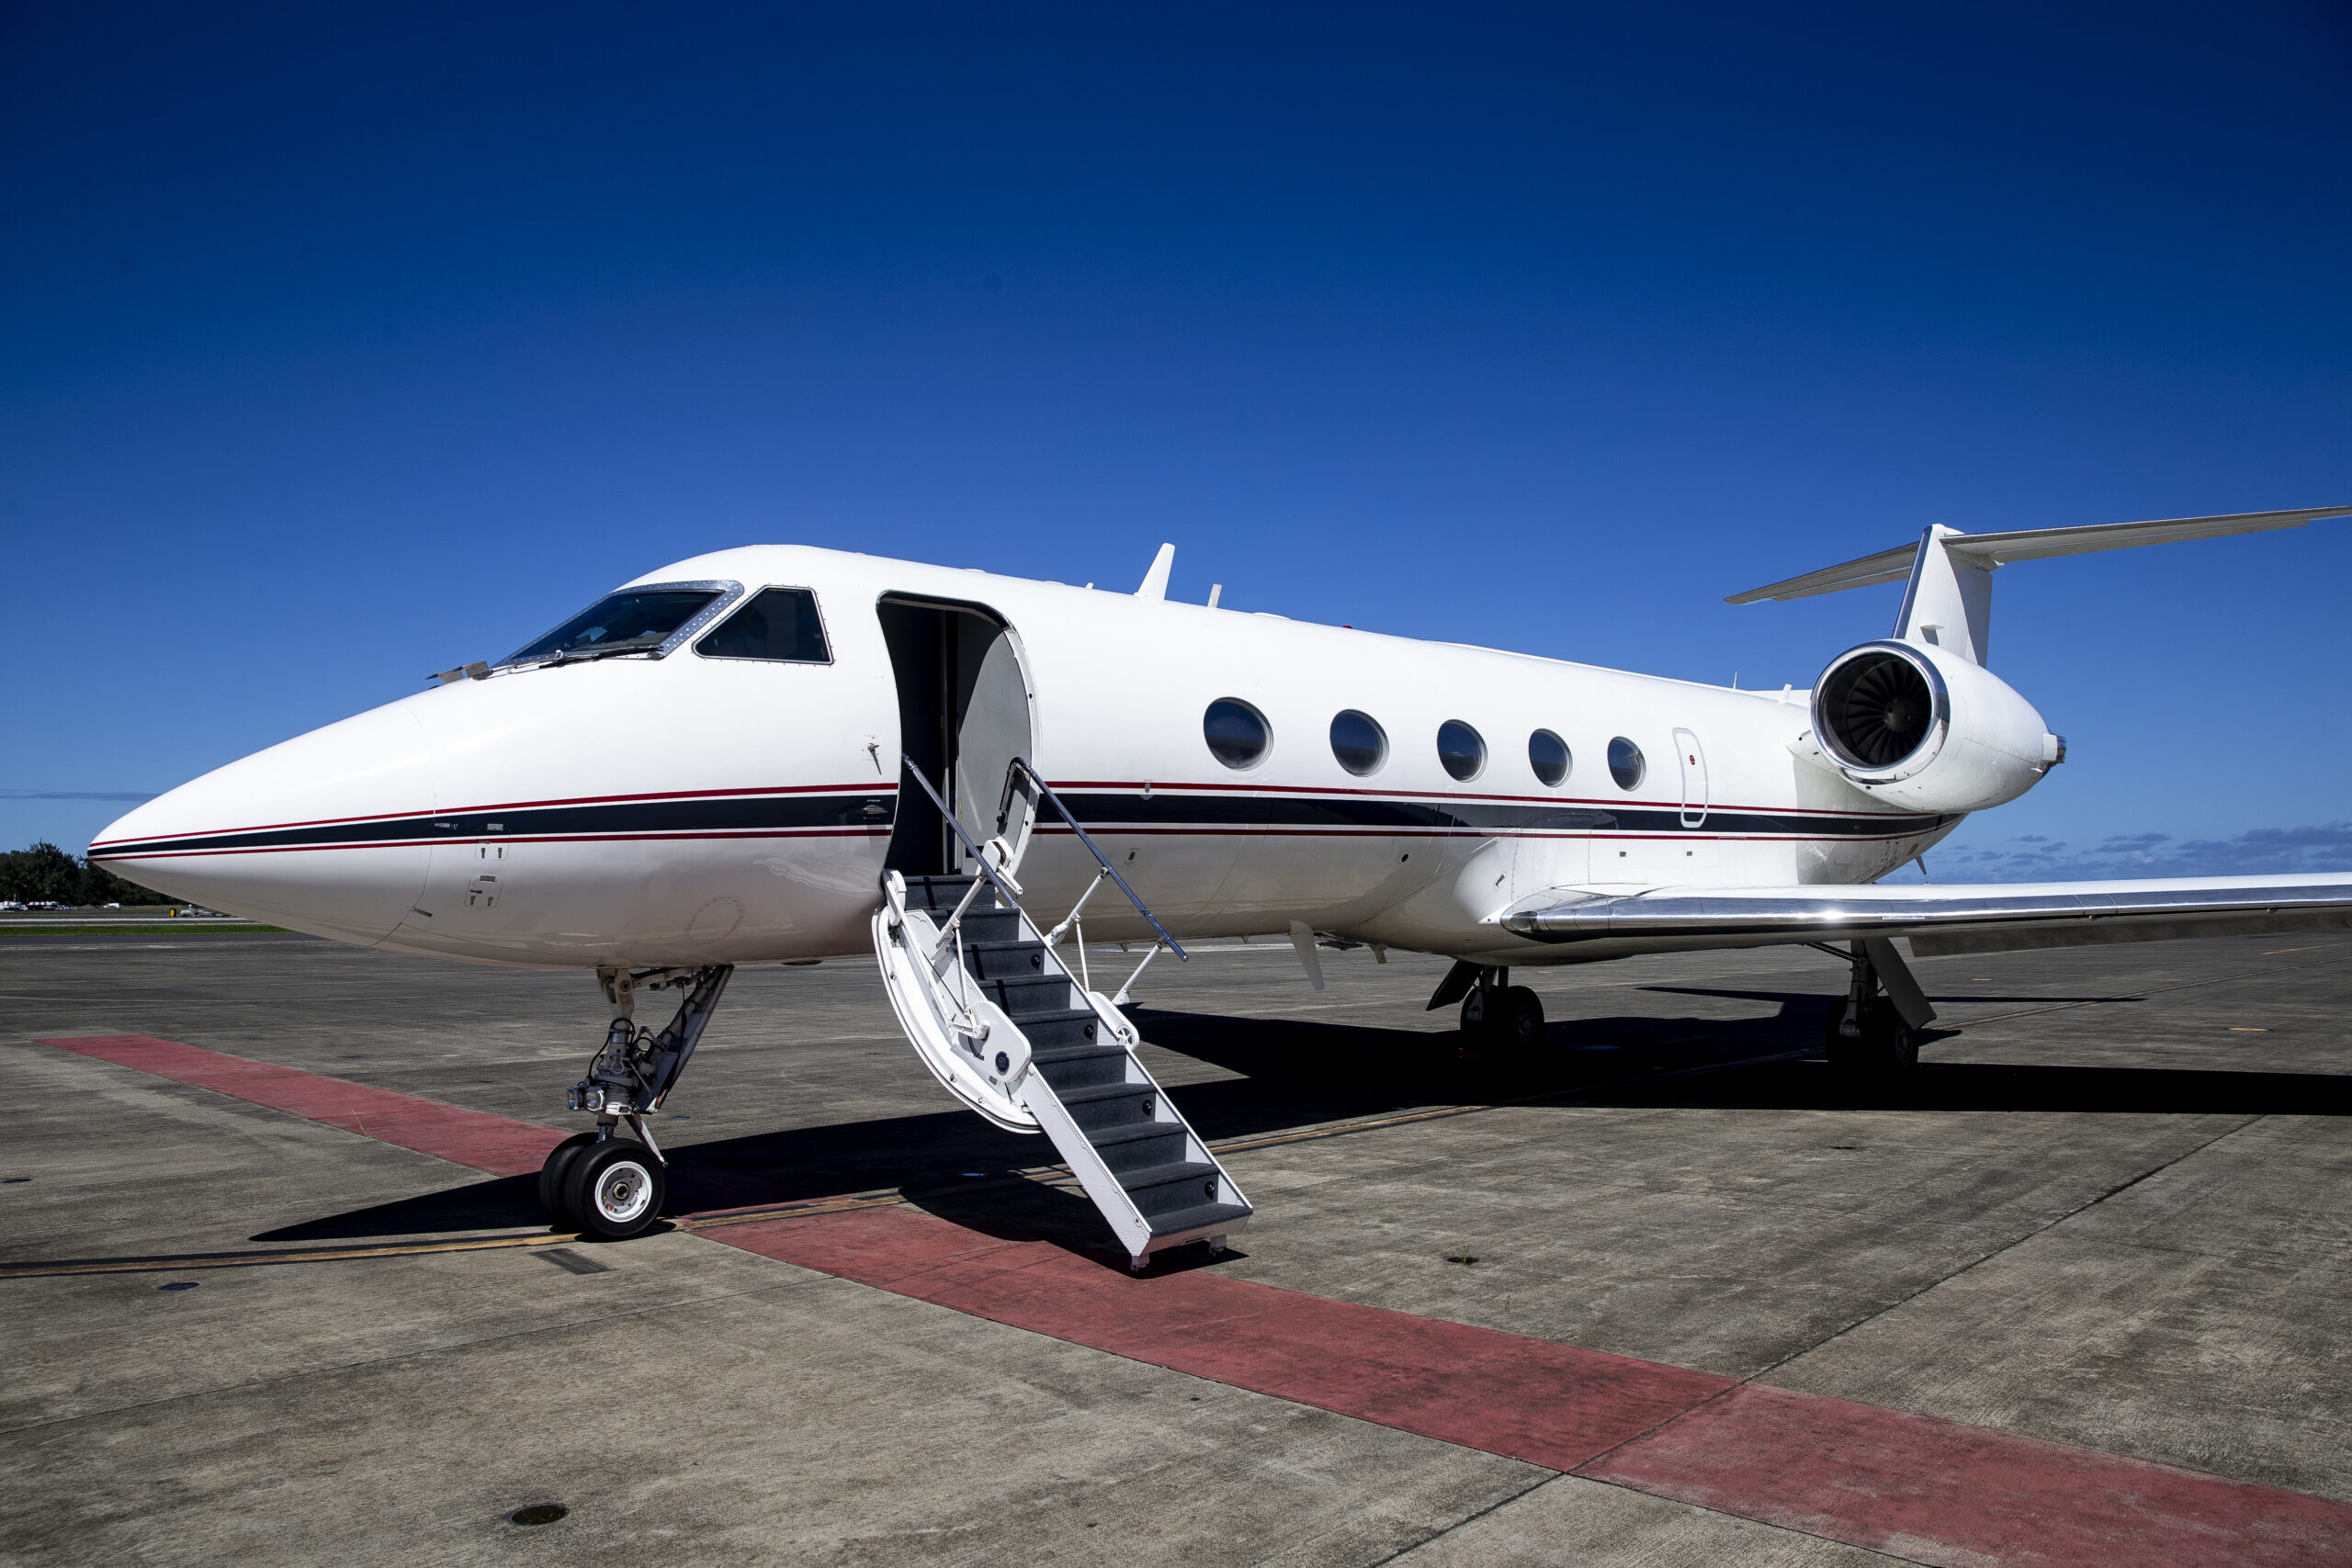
x=2325, y=846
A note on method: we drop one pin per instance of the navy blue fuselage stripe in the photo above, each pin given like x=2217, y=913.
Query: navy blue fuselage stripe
x=1187, y=809
x=737, y=814
x=1101, y=813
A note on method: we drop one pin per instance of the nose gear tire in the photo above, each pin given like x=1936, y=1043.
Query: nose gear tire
x=554, y=1174
x=616, y=1189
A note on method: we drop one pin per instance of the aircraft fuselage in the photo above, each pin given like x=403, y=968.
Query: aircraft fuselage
x=688, y=810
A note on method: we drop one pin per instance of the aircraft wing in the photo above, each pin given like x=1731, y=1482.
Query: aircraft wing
x=1939, y=918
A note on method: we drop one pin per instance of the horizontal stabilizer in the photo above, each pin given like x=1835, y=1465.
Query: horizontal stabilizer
x=1988, y=550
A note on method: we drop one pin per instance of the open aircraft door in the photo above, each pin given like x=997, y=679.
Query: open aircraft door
x=966, y=710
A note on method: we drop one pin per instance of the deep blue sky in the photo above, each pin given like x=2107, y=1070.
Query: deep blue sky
x=339, y=344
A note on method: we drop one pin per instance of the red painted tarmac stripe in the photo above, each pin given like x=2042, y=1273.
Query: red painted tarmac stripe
x=1934, y=1492
x=1945, y=1493
x=498, y=1145
x=1552, y=1404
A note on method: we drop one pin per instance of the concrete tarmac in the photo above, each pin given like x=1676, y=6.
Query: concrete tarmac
x=2112, y=1210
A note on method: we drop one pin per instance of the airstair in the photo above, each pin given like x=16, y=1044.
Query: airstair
x=996, y=1013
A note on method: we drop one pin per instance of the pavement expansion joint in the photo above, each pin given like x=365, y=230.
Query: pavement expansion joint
x=1470, y=1518
x=2044, y=1228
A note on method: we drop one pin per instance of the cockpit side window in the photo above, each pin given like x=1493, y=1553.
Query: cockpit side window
x=779, y=624
x=632, y=621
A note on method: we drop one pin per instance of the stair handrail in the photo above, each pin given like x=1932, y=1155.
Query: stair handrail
x=979, y=858
x=1005, y=811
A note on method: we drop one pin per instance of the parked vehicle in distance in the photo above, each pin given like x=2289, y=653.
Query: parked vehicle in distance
x=9, y=904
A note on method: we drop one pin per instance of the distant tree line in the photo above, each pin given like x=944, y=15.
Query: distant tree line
x=45, y=873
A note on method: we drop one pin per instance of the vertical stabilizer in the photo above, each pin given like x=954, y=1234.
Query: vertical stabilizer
x=1948, y=603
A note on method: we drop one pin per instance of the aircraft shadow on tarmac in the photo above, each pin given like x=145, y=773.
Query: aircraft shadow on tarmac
x=1971, y=997
x=1300, y=1074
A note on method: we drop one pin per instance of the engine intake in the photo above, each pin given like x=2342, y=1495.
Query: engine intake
x=1877, y=708
x=1923, y=728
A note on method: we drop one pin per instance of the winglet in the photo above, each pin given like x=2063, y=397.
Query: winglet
x=1155, y=581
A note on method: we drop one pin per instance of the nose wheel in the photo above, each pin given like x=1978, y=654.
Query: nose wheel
x=557, y=1171
x=617, y=1188
x=607, y=1187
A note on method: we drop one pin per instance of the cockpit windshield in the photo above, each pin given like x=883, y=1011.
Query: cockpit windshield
x=628, y=622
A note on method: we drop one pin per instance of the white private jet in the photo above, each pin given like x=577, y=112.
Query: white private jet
x=786, y=754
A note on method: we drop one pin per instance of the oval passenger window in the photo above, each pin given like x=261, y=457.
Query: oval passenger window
x=1358, y=742
x=1462, y=750
x=1237, y=733
x=1548, y=755
x=1626, y=764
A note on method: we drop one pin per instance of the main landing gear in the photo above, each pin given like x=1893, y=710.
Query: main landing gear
x=1874, y=1030
x=1498, y=1018
x=606, y=1185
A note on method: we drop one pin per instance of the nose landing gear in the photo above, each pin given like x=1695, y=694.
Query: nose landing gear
x=606, y=1185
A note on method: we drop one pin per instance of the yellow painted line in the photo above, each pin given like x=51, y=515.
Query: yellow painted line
x=191, y=1261
x=696, y=1223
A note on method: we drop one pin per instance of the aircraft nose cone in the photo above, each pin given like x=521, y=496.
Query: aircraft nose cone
x=324, y=833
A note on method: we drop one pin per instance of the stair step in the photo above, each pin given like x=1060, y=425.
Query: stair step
x=1105, y=1092
x=1082, y=1066
x=1025, y=998
x=1070, y=1029
x=1114, y=1137
x=1127, y=1150
x=988, y=925
x=1110, y=1105
x=1160, y=1148
x=1004, y=960
x=1198, y=1216
x=1160, y=1188
x=1078, y=1052
x=940, y=893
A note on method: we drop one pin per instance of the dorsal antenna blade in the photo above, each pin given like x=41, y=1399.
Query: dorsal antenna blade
x=1155, y=581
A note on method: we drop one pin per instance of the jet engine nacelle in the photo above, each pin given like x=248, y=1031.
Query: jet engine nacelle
x=1924, y=728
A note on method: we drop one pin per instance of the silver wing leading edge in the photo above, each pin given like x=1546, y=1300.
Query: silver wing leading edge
x=1939, y=918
